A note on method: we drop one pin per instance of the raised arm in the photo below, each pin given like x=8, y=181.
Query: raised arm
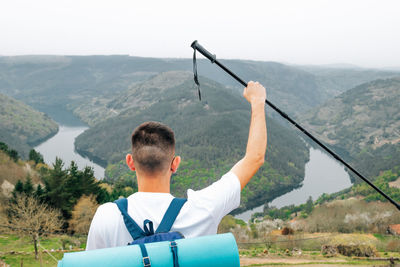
x=255, y=94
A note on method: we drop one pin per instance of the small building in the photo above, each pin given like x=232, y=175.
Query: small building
x=393, y=229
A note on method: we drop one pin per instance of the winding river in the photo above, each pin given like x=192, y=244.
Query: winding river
x=62, y=145
x=322, y=173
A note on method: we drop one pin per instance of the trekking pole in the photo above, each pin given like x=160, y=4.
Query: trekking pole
x=196, y=46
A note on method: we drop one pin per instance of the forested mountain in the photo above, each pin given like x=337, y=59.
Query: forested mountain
x=22, y=127
x=362, y=124
x=74, y=80
x=336, y=80
x=211, y=135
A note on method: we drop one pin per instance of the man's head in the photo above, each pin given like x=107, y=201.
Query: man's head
x=153, y=148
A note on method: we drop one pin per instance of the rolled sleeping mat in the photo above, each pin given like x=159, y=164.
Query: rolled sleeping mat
x=212, y=250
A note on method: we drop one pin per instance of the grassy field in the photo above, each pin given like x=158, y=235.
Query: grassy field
x=299, y=250
x=305, y=249
x=15, y=250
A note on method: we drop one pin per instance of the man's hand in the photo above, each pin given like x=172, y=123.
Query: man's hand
x=257, y=142
x=254, y=93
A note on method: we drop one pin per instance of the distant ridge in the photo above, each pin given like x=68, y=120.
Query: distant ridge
x=22, y=127
x=363, y=124
x=71, y=80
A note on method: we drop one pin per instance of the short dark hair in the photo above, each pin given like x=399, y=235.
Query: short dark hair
x=153, y=147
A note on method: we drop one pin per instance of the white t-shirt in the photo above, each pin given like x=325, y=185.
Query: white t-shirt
x=200, y=215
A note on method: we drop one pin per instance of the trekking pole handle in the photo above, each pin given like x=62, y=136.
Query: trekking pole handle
x=213, y=58
x=195, y=45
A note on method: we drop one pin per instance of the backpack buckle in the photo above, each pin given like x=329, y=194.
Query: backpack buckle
x=146, y=262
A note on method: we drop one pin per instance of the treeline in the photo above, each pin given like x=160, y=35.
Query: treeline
x=382, y=182
x=285, y=213
x=12, y=153
x=367, y=192
x=63, y=187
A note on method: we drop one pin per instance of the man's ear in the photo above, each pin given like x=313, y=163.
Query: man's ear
x=129, y=162
x=175, y=164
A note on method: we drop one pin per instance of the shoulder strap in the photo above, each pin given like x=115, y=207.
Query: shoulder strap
x=135, y=231
x=170, y=215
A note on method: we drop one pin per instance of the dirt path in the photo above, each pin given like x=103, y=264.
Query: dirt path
x=296, y=261
x=301, y=261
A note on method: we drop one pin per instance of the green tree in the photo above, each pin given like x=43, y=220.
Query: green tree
x=64, y=187
x=35, y=156
x=19, y=188
x=309, y=205
x=56, y=193
x=3, y=147
x=28, y=186
x=13, y=154
x=39, y=192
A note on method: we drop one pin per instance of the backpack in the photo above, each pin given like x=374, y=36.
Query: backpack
x=162, y=233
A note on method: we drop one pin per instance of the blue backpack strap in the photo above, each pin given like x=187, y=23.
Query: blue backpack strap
x=170, y=215
x=145, y=255
x=174, y=250
x=135, y=231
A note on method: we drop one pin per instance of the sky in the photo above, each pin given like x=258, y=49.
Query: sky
x=360, y=32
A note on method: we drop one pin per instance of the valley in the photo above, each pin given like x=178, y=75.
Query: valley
x=120, y=92
x=93, y=103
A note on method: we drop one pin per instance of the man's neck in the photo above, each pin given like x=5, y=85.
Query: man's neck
x=154, y=184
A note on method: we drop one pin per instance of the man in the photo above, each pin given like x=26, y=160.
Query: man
x=153, y=158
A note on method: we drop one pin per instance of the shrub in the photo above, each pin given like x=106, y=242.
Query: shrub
x=360, y=250
x=329, y=250
x=287, y=231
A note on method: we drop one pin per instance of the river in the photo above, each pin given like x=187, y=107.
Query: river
x=62, y=145
x=323, y=174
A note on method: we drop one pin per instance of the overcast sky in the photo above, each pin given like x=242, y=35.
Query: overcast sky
x=361, y=32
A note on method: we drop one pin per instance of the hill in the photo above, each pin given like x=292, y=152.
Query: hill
x=334, y=80
x=22, y=127
x=211, y=135
x=72, y=81
x=362, y=124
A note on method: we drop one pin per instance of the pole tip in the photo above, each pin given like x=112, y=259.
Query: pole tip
x=193, y=45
